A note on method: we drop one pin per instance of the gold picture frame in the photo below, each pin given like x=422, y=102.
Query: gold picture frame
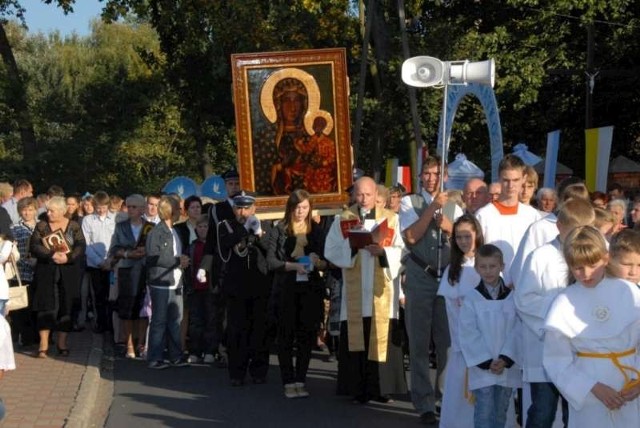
x=292, y=125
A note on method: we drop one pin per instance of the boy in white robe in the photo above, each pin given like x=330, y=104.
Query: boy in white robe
x=625, y=255
x=505, y=221
x=544, y=275
x=488, y=329
x=544, y=230
x=592, y=337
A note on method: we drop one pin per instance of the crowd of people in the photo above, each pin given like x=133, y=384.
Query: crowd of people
x=521, y=297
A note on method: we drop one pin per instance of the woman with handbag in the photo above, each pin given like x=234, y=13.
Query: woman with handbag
x=58, y=245
x=23, y=323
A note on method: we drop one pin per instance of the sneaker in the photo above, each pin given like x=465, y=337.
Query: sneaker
x=180, y=362
x=194, y=358
x=290, y=390
x=300, y=390
x=158, y=365
x=331, y=358
x=209, y=359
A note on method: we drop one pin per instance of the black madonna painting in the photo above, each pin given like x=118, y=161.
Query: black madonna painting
x=292, y=124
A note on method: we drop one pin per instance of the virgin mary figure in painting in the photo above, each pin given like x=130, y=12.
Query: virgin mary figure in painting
x=286, y=154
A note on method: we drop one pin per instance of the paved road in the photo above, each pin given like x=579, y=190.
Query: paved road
x=200, y=396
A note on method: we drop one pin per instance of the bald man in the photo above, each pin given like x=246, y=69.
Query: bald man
x=368, y=359
x=475, y=194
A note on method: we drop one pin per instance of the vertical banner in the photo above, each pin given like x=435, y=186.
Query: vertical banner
x=551, y=159
x=391, y=172
x=598, y=149
x=404, y=177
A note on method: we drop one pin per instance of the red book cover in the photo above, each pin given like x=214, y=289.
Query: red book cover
x=359, y=237
x=346, y=225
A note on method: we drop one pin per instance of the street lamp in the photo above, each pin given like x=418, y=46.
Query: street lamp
x=426, y=71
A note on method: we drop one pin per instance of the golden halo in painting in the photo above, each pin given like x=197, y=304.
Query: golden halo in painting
x=266, y=93
x=311, y=116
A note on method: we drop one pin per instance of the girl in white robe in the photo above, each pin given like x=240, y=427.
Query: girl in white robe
x=592, y=337
x=459, y=278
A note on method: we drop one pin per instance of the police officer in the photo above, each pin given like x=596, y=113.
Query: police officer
x=246, y=286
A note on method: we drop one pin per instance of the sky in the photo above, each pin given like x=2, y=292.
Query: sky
x=46, y=18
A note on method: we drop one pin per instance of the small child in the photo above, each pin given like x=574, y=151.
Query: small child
x=459, y=278
x=201, y=325
x=592, y=336
x=625, y=255
x=488, y=330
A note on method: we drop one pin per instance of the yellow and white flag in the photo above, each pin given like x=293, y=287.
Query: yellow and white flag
x=598, y=149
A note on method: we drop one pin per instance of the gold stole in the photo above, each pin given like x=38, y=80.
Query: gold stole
x=382, y=292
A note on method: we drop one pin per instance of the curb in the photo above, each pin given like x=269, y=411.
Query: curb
x=86, y=398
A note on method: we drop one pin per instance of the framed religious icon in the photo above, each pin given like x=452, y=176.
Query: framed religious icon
x=292, y=125
x=55, y=241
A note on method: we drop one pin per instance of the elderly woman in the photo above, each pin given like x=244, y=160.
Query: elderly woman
x=127, y=247
x=618, y=208
x=165, y=263
x=547, y=200
x=58, y=246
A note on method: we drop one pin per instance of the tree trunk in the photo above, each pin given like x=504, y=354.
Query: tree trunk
x=17, y=98
x=413, y=103
x=355, y=139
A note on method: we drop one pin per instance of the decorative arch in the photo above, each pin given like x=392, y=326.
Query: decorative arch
x=487, y=97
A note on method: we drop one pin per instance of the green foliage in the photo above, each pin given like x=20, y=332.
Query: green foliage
x=141, y=101
x=104, y=118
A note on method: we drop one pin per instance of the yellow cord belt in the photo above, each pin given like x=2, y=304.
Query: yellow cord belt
x=629, y=382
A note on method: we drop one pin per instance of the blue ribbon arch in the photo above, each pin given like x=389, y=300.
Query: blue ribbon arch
x=455, y=94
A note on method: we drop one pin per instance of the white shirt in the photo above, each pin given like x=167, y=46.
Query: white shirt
x=408, y=214
x=98, y=232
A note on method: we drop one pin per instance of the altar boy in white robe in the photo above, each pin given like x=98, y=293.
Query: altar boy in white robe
x=369, y=298
x=543, y=276
x=488, y=330
x=592, y=338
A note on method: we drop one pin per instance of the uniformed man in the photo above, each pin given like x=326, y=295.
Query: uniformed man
x=246, y=287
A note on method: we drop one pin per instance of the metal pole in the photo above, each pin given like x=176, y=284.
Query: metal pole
x=443, y=159
x=588, y=120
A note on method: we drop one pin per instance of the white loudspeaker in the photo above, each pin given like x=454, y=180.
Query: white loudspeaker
x=423, y=71
x=463, y=72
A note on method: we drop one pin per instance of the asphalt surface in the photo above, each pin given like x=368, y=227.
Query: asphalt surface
x=201, y=396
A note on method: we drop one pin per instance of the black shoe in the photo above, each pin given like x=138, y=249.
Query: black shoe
x=259, y=380
x=236, y=382
x=180, y=362
x=428, y=418
x=383, y=399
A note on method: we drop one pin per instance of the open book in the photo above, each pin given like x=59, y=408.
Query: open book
x=360, y=237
